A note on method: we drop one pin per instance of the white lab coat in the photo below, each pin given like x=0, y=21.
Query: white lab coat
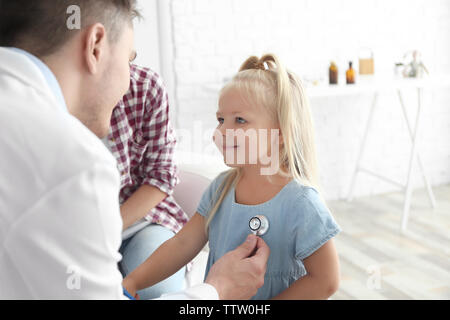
x=60, y=224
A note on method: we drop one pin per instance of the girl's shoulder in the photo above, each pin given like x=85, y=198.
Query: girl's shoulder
x=219, y=181
x=212, y=193
x=303, y=196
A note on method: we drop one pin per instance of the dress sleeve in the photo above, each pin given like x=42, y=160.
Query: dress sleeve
x=312, y=222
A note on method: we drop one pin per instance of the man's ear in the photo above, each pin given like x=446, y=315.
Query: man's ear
x=95, y=46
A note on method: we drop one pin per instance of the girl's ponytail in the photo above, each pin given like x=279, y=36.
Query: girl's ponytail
x=298, y=155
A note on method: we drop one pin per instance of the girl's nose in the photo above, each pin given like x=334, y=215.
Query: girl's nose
x=226, y=129
x=224, y=134
x=222, y=130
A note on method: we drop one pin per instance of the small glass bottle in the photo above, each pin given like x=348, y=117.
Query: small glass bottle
x=350, y=74
x=333, y=73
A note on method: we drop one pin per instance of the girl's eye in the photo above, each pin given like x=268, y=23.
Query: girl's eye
x=220, y=120
x=240, y=120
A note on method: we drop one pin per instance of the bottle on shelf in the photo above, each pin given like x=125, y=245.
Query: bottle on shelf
x=333, y=71
x=350, y=74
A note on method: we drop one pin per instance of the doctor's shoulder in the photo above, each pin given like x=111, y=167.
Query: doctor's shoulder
x=71, y=146
x=87, y=145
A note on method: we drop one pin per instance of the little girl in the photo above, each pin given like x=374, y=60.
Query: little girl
x=263, y=97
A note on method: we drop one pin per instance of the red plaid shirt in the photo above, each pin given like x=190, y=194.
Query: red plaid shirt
x=142, y=140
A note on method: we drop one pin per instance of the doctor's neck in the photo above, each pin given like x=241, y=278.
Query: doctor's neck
x=67, y=79
x=66, y=68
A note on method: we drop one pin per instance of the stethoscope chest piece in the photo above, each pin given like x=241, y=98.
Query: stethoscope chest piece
x=259, y=225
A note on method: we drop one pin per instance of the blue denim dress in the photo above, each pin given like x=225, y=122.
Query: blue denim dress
x=299, y=224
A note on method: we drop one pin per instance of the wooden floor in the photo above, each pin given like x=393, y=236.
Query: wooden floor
x=378, y=262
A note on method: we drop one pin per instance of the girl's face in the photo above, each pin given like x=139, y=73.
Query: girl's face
x=246, y=134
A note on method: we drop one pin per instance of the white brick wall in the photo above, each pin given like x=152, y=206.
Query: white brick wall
x=213, y=37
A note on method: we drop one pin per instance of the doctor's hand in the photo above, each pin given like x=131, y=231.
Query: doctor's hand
x=240, y=273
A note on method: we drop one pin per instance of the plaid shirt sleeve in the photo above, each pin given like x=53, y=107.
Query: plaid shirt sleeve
x=159, y=169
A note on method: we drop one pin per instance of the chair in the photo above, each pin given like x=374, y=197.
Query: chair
x=190, y=190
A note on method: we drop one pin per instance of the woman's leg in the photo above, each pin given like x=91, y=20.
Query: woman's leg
x=139, y=248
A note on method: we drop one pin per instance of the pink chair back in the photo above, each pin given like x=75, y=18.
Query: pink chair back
x=190, y=190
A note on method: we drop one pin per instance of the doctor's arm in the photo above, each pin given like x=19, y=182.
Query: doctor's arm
x=67, y=245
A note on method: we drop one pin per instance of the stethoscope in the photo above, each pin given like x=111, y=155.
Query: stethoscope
x=259, y=225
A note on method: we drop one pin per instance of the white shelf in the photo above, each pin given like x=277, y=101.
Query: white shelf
x=365, y=84
x=370, y=84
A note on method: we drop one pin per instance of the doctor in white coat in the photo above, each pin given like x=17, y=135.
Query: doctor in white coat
x=60, y=224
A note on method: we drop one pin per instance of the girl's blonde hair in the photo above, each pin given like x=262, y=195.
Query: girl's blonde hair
x=266, y=82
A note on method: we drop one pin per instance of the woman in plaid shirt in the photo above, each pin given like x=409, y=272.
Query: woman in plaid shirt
x=142, y=140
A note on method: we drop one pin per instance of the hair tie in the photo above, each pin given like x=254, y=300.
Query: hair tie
x=262, y=65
